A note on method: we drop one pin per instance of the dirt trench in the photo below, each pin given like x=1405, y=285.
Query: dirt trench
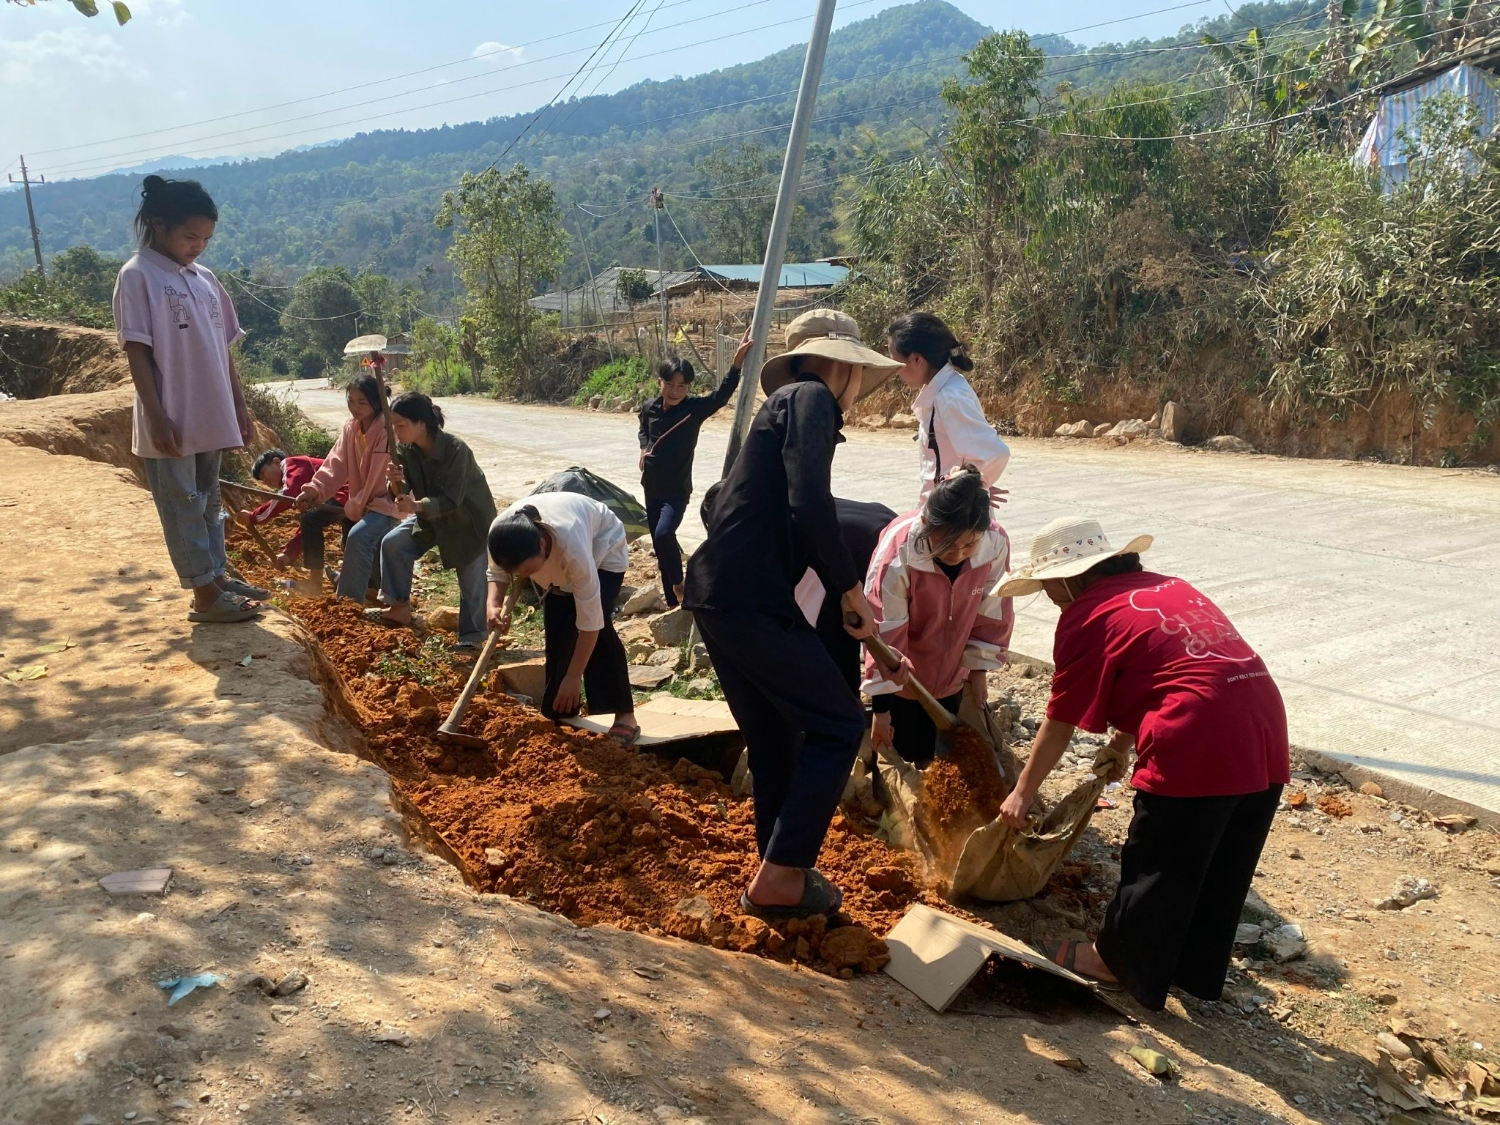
x=38, y=359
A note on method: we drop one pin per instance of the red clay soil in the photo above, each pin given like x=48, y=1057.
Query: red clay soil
x=960, y=793
x=578, y=825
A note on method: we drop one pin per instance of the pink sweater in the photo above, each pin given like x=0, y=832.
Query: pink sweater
x=365, y=475
x=947, y=629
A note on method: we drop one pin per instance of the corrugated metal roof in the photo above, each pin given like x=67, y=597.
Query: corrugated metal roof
x=794, y=275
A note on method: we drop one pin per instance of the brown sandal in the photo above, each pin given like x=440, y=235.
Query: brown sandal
x=1064, y=954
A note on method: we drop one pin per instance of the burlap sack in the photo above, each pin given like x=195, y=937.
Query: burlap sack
x=998, y=863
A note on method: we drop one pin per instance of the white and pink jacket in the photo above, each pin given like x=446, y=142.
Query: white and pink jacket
x=358, y=460
x=947, y=629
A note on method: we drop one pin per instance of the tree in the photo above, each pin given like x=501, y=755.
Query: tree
x=323, y=314
x=992, y=140
x=634, y=286
x=89, y=8
x=738, y=214
x=508, y=242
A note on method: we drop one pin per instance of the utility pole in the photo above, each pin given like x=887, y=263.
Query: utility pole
x=781, y=223
x=36, y=238
x=657, y=203
x=593, y=287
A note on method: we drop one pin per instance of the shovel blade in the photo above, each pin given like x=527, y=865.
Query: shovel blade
x=458, y=739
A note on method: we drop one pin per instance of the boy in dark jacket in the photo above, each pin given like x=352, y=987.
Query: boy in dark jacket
x=669, y=437
x=774, y=517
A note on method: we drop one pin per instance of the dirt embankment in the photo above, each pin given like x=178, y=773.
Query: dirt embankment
x=38, y=359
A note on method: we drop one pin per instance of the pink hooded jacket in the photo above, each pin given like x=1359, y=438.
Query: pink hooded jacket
x=364, y=476
x=947, y=629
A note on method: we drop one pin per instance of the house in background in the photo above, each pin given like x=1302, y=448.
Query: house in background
x=1383, y=148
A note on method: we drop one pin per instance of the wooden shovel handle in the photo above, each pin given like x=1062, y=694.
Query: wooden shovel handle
x=486, y=654
x=941, y=717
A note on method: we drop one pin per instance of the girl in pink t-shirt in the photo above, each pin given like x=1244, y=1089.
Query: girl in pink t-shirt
x=176, y=323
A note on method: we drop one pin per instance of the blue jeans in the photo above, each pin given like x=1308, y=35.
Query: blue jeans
x=664, y=516
x=399, y=553
x=361, y=548
x=186, y=491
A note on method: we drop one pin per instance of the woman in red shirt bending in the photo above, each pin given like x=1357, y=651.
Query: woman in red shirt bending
x=1151, y=657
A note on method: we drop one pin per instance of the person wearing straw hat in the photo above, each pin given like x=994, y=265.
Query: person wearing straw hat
x=1150, y=656
x=774, y=516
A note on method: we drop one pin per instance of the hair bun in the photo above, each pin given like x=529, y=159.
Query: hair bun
x=531, y=513
x=152, y=183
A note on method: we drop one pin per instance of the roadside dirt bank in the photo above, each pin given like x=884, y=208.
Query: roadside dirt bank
x=152, y=742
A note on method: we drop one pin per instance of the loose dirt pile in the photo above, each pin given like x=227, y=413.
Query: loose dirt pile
x=960, y=794
x=596, y=832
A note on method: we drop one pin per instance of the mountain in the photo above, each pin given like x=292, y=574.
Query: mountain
x=368, y=201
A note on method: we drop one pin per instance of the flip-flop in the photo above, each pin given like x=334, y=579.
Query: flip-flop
x=228, y=609
x=378, y=617
x=819, y=896
x=245, y=590
x=1064, y=954
x=625, y=735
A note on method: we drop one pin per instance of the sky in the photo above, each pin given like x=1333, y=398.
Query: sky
x=225, y=78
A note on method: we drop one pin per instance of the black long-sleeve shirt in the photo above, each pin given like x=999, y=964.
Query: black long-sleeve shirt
x=774, y=516
x=669, y=466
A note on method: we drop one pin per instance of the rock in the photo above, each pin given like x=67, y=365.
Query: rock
x=1155, y=421
x=294, y=981
x=668, y=658
x=893, y=879
x=1409, y=889
x=638, y=650
x=392, y=1036
x=1247, y=933
x=701, y=662
x=1102, y=428
x=496, y=859
x=748, y=934
x=1372, y=789
x=648, y=599
x=854, y=947
x=443, y=617
x=1290, y=931
x=648, y=677
x=1492, y=867
x=1228, y=443
x=1393, y=1046
x=689, y=918
x=602, y=1014
x=902, y=422
x=609, y=404
x=1282, y=947
x=701, y=686
x=671, y=629
x=596, y=402
x=1177, y=424
x=418, y=704
x=1081, y=429
x=1128, y=429
x=525, y=677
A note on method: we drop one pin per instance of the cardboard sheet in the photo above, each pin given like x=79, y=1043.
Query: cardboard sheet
x=667, y=720
x=936, y=955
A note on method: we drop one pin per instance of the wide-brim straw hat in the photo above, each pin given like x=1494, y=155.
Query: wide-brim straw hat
x=832, y=335
x=1065, y=548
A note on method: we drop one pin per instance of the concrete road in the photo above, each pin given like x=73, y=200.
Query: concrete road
x=1371, y=590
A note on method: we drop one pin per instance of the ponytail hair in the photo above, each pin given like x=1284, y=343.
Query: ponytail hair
x=172, y=202
x=923, y=334
x=366, y=385
x=516, y=537
x=674, y=367
x=956, y=506
x=417, y=407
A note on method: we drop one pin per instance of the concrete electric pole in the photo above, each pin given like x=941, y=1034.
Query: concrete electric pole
x=657, y=203
x=786, y=203
x=36, y=238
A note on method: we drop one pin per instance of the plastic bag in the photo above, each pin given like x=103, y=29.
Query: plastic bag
x=621, y=503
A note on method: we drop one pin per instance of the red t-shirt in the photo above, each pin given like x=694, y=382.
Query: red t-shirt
x=1151, y=656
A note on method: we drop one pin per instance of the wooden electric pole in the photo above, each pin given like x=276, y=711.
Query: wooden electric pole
x=36, y=238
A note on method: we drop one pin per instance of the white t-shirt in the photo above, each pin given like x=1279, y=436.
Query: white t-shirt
x=187, y=320
x=587, y=538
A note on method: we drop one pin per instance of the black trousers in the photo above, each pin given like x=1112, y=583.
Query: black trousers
x=1185, y=870
x=312, y=522
x=913, y=732
x=606, y=677
x=802, y=726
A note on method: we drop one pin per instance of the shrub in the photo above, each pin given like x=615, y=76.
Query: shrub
x=626, y=377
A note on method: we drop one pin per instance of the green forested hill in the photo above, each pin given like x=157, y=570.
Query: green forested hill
x=369, y=201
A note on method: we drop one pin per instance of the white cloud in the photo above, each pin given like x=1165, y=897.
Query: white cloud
x=50, y=55
x=496, y=53
x=168, y=13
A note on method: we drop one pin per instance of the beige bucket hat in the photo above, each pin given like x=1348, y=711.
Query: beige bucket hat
x=833, y=335
x=1065, y=548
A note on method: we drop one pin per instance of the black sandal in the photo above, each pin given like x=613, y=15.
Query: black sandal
x=819, y=896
